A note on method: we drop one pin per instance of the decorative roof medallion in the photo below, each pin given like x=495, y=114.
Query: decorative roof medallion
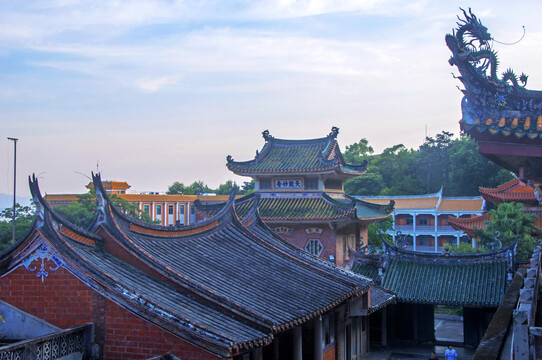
x=43, y=253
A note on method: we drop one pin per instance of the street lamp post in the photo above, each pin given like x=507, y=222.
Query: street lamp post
x=14, y=185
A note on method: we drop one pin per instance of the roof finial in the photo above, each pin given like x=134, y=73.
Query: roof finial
x=36, y=197
x=266, y=135
x=229, y=159
x=100, y=195
x=334, y=131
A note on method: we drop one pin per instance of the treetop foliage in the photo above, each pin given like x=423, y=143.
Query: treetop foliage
x=199, y=188
x=441, y=161
x=508, y=222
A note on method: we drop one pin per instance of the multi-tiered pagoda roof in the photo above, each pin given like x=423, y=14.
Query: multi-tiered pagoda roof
x=320, y=207
x=313, y=156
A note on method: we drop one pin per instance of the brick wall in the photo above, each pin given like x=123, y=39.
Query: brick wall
x=65, y=301
x=329, y=353
x=130, y=337
x=299, y=237
x=61, y=299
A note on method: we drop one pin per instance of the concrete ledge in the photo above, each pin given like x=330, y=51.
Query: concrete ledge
x=19, y=325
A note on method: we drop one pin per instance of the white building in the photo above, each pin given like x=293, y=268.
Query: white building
x=423, y=219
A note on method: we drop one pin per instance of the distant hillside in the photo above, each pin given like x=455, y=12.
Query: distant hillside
x=6, y=201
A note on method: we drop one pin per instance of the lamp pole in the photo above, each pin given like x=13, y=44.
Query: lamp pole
x=14, y=185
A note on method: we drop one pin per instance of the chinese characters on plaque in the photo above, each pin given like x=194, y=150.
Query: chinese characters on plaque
x=288, y=184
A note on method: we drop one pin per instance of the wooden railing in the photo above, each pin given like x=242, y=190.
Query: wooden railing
x=70, y=342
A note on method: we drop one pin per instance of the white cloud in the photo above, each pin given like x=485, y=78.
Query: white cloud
x=151, y=85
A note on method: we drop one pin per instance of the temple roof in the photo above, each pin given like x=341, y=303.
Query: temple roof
x=223, y=285
x=380, y=298
x=313, y=156
x=477, y=280
x=316, y=207
x=111, y=185
x=434, y=202
x=455, y=284
x=498, y=111
x=468, y=225
x=511, y=191
x=499, y=106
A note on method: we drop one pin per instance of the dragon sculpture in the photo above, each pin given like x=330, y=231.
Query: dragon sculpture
x=486, y=96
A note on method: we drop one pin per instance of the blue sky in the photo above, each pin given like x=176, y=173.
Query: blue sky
x=163, y=91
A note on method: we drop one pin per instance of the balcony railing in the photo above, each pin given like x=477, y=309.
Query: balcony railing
x=75, y=342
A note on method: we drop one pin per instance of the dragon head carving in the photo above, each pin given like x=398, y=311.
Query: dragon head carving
x=472, y=27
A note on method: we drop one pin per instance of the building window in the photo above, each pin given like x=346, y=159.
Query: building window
x=170, y=210
x=408, y=221
x=314, y=246
x=192, y=214
x=181, y=214
x=423, y=221
x=333, y=184
x=158, y=210
x=265, y=184
x=147, y=209
x=328, y=327
x=311, y=183
x=425, y=240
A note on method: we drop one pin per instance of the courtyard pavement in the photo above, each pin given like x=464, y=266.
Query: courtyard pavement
x=447, y=331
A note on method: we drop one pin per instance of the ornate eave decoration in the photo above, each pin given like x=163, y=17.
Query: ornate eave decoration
x=43, y=252
x=499, y=104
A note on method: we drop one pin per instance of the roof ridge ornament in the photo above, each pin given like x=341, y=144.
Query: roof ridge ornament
x=100, y=196
x=36, y=197
x=266, y=135
x=334, y=131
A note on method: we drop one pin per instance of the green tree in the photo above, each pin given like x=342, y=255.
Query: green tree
x=225, y=189
x=83, y=211
x=434, y=162
x=368, y=184
x=80, y=212
x=508, y=221
x=377, y=230
x=176, y=188
x=454, y=164
x=248, y=187
x=398, y=166
x=358, y=152
x=23, y=221
x=469, y=170
x=197, y=187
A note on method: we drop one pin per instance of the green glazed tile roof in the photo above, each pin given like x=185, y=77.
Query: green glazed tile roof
x=367, y=270
x=301, y=208
x=472, y=284
x=297, y=156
